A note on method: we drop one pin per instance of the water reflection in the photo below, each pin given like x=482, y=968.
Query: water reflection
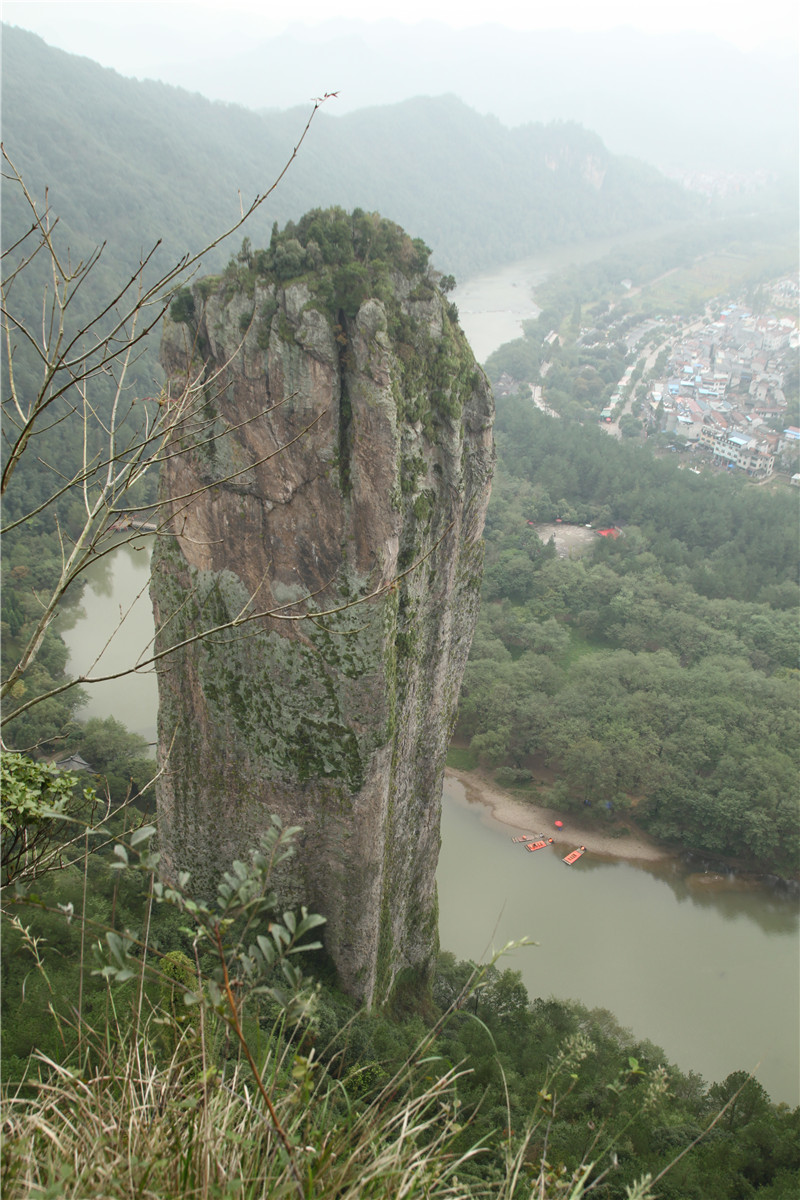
x=771, y=914
x=730, y=896
x=114, y=615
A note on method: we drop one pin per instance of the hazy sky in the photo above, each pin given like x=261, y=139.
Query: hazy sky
x=136, y=39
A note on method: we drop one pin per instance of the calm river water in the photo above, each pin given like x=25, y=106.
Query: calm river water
x=711, y=976
x=492, y=306
x=114, y=620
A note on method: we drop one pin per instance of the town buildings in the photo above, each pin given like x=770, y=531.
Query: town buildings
x=724, y=392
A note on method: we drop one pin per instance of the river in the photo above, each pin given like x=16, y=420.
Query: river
x=712, y=976
x=492, y=306
x=109, y=629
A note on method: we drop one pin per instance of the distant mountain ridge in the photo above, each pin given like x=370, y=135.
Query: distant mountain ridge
x=680, y=100
x=129, y=161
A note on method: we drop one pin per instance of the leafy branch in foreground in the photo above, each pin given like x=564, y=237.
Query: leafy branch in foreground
x=37, y=798
x=249, y=951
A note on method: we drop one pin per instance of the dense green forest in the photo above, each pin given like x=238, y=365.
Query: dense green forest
x=658, y=672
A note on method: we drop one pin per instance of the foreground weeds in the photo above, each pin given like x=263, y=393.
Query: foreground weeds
x=129, y=1128
x=202, y=1079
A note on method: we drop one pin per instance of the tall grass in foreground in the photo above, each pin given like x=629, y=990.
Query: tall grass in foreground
x=131, y=1127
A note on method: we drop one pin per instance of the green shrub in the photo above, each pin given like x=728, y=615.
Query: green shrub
x=182, y=308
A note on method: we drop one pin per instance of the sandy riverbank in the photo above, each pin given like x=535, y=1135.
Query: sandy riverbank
x=524, y=817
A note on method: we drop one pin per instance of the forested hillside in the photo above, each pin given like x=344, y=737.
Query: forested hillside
x=129, y=162
x=657, y=675
x=612, y=81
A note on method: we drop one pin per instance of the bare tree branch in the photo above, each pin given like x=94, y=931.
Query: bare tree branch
x=116, y=453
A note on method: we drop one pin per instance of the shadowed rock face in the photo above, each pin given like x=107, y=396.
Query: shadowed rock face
x=339, y=464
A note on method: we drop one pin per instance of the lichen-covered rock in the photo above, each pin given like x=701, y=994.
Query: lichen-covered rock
x=326, y=500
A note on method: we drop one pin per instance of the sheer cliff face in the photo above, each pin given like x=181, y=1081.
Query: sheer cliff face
x=340, y=475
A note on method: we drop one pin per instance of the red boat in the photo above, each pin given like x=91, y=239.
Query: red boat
x=571, y=858
x=540, y=845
